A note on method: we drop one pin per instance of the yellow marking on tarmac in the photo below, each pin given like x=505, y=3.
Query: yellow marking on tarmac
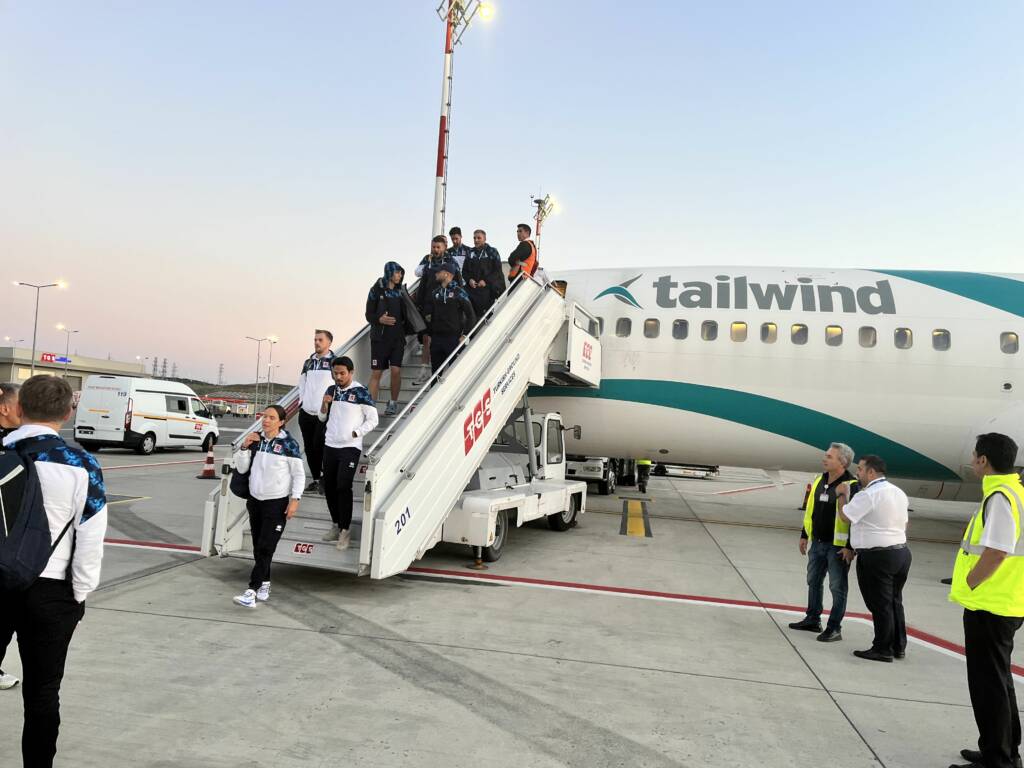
x=125, y=501
x=635, y=519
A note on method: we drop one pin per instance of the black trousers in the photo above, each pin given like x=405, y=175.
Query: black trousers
x=267, y=520
x=440, y=348
x=6, y=634
x=988, y=641
x=482, y=299
x=45, y=617
x=313, y=431
x=881, y=574
x=340, y=467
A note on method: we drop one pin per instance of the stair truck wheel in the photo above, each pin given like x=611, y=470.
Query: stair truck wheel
x=493, y=553
x=563, y=521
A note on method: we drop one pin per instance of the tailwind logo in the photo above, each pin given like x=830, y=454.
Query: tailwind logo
x=621, y=293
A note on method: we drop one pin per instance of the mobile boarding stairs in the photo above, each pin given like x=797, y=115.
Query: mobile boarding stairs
x=419, y=463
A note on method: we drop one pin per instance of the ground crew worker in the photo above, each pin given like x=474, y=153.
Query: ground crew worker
x=427, y=272
x=825, y=539
x=459, y=250
x=274, y=462
x=385, y=312
x=9, y=422
x=314, y=379
x=523, y=260
x=643, y=473
x=483, y=274
x=350, y=414
x=451, y=316
x=878, y=533
x=988, y=581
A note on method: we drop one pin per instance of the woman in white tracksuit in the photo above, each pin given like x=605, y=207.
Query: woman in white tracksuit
x=276, y=477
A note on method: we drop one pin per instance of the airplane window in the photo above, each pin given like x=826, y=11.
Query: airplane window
x=680, y=329
x=709, y=330
x=1009, y=342
x=600, y=326
x=738, y=331
x=652, y=328
x=623, y=327
x=868, y=336
x=833, y=335
x=940, y=339
x=769, y=333
x=904, y=338
x=798, y=334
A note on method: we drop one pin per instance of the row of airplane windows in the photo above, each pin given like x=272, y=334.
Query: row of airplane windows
x=867, y=336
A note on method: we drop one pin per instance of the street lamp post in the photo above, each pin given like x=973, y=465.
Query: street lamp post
x=67, y=345
x=270, y=391
x=35, y=323
x=259, y=346
x=456, y=15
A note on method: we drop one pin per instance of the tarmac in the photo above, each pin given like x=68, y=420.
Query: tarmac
x=651, y=634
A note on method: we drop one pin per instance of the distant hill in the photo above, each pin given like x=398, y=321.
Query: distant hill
x=240, y=391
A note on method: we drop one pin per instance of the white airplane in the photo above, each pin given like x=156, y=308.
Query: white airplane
x=765, y=367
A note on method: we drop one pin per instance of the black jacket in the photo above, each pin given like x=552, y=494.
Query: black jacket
x=484, y=263
x=451, y=312
x=428, y=278
x=381, y=299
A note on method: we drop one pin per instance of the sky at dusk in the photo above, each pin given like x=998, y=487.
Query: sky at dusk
x=200, y=172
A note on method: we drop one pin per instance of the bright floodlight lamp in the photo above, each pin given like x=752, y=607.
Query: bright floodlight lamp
x=545, y=207
x=461, y=14
x=486, y=11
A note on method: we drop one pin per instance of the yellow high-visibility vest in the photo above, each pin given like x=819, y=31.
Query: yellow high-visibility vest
x=841, y=532
x=1002, y=593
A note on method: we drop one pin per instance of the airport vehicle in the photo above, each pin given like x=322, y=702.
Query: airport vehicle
x=466, y=459
x=143, y=414
x=607, y=472
x=764, y=367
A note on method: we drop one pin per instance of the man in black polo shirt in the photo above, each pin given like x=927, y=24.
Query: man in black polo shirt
x=825, y=539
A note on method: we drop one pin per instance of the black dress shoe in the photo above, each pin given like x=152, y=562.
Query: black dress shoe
x=313, y=487
x=871, y=655
x=899, y=654
x=830, y=636
x=808, y=625
x=974, y=755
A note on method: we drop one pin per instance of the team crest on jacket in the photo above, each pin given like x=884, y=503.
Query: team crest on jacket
x=351, y=398
x=277, y=448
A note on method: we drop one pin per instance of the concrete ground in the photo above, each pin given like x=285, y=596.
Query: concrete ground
x=451, y=669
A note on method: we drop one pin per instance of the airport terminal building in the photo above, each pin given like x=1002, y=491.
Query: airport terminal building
x=16, y=365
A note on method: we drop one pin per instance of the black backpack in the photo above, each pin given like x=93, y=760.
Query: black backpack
x=239, y=483
x=25, y=546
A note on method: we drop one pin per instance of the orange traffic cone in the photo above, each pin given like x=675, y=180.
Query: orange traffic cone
x=807, y=493
x=209, y=469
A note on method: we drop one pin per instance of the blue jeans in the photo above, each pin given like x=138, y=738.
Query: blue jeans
x=822, y=558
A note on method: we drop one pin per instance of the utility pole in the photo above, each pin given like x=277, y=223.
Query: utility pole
x=220, y=375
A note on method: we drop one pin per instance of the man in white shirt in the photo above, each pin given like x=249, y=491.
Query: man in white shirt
x=314, y=379
x=878, y=517
x=350, y=414
x=45, y=615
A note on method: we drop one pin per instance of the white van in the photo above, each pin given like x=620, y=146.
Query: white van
x=144, y=414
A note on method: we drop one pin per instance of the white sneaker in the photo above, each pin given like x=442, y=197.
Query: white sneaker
x=263, y=593
x=331, y=535
x=344, y=539
x=392, y=408
x=247, y=599
x=422, y=379
x=7, y=681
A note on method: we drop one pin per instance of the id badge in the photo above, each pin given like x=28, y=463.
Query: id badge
x=823, y=497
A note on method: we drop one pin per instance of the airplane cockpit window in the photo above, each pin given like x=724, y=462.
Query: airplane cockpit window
x=868, y=336
x=798, y=333
x=623, y=327
x=1009, y=342
x=769, y=333
x=904, y=338
x=941, y=340
x=652, y=328
x=709, y=330
x=738, y=331
x=680, y=329
x=833, y=335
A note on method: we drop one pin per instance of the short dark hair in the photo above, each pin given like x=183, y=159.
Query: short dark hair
x=439, y=239
x=875, y=463
x=344, y=360
x=479, y=232
x=279, y=411
x=45, y=398
x=8, y=392
x=328, y=334
x=1000, y=451
x=455, y=231
x=526, y=227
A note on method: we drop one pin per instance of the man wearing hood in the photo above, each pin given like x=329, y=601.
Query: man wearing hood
x=385, y=312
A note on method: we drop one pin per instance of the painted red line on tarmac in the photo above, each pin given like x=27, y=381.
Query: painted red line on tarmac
x=154, y=464
x=925, y=637
x=746, y=490
x=153, y=545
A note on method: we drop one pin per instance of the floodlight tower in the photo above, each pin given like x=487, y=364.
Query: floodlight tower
x=456, y=15
x=545, y=207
